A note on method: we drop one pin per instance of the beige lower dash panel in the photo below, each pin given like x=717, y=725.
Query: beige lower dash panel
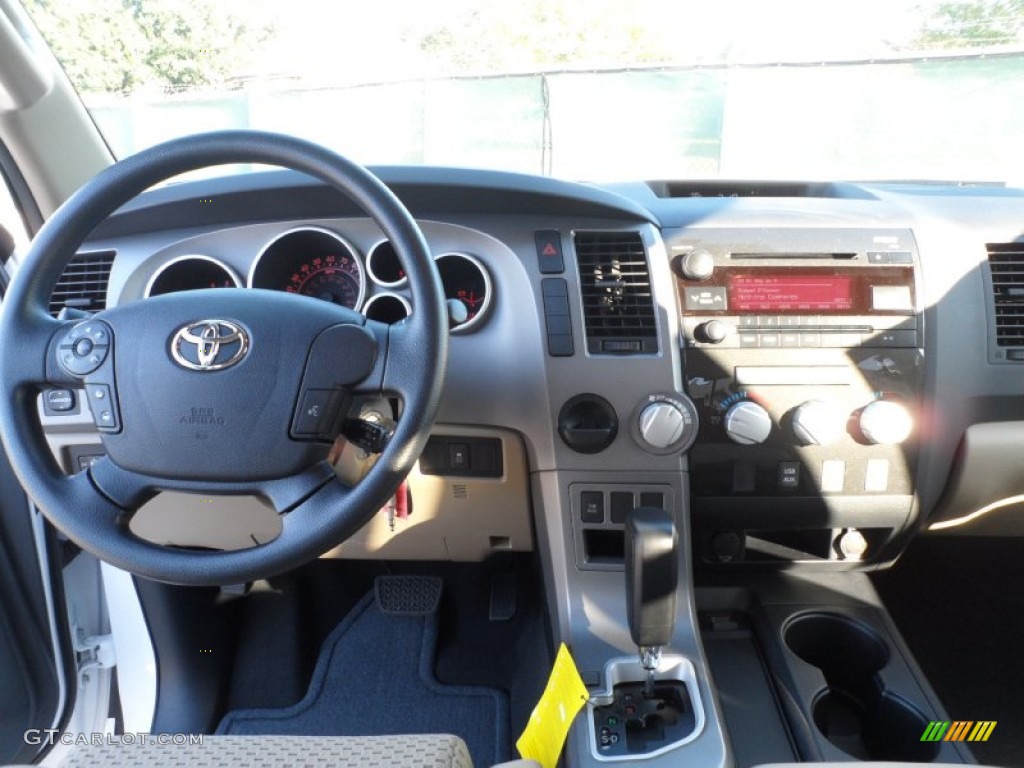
x=454, y=518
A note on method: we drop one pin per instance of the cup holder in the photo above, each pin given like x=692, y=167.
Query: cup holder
x=856, y=713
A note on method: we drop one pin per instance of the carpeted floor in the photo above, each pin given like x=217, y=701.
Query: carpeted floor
x=959, y=603
x=374, y=677
x=285, y=626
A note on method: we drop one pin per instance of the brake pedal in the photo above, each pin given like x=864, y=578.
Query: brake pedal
x=408, y=595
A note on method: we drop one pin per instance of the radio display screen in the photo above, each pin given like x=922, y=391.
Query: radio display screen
x=773, y=292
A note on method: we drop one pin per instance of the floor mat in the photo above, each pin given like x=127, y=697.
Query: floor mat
x=374, y=677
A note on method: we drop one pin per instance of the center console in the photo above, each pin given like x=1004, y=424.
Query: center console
x=803, y=355
x=778, y=426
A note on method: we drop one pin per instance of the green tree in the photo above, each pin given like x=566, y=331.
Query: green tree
x=502, y=36
x=119, y=46
x=974, y=24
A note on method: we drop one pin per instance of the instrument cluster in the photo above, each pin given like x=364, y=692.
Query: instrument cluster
x=318, y=262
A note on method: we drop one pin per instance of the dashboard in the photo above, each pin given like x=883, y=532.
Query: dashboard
x=802, y=373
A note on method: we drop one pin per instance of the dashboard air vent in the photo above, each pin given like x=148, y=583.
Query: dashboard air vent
x=84, y=283
x=615, y=283
x=1006, y=263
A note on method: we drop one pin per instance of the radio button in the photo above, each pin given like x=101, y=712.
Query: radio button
x=697, y=265
x=710, y=297
x=712, y=332
x=747, y=321
x=810, y=339
x=769, y=340
x=891, y=298
x=748, y=340
x=892, y=339
x=767, y=321
x=879, y=257
x=789, y=321
x=811, y=320
x=789, y=340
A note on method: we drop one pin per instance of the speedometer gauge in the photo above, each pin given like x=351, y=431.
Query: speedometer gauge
x=332, y=277
x=311, y=261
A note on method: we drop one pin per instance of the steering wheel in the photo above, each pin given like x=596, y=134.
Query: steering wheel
x=217, y=391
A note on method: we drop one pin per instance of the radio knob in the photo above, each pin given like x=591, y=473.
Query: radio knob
x=697, y=265
x=886, y=423
x=818, y=423
x=747, y=423
x=712, y=332
x=662, y=424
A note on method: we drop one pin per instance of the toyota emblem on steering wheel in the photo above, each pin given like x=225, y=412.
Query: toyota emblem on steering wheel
x=209, y=345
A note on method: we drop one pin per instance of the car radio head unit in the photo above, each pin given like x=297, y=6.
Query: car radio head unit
x=772, y=291
x=804, y=289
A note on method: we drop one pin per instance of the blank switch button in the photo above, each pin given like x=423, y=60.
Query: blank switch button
x=622, y=505
x=876, y=476
x=833, y=475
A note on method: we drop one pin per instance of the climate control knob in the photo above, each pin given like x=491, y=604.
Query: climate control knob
x=661, y=424
x=885, y=422
x=665, y=423
x=818, y=423
x=747, y=423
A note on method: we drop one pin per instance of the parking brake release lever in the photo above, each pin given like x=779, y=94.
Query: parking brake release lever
x=652, y=573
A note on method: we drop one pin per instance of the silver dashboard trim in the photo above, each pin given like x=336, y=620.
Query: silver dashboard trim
x=190, y=257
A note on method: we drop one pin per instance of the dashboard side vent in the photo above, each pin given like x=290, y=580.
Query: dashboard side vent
x=615, y=287
x=84, y=283
x=1006, y=264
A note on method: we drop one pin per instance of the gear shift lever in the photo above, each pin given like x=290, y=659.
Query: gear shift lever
x=652, y=572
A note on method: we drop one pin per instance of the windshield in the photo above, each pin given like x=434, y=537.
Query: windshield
x=579, y=89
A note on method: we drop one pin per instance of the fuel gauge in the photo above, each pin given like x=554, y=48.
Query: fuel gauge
x=466, y=279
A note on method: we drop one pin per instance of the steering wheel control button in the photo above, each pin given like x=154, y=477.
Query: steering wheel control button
x=103, y=405
x=549, y=252
x=84, y=348
x=209, y=345
x=58, y=401
x=317, y=414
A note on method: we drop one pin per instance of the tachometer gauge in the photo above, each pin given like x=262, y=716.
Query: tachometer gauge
x=312, y=262
x=465, y=279
x=194, y=271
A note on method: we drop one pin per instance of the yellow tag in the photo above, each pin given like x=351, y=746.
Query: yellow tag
x=564, y=696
